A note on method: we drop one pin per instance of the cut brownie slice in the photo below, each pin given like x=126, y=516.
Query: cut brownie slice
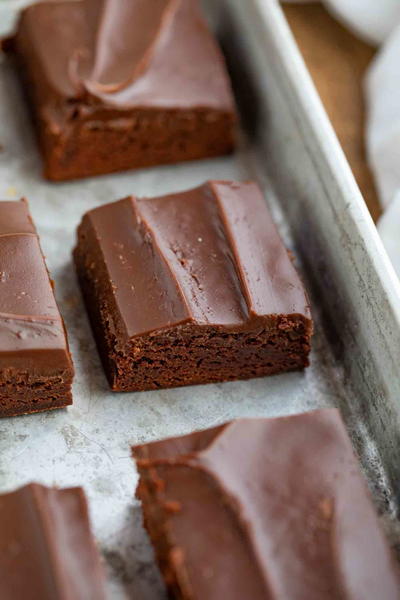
x=35, y=365
x=265, y=509
x=120, y=85
x=193, y=287
x=47, y=551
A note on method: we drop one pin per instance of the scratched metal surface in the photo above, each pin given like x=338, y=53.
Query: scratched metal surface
x=89, y=443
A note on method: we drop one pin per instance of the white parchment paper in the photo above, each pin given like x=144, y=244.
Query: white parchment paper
x=89, y=443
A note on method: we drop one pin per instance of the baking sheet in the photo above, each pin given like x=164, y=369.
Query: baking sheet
x=89, y=443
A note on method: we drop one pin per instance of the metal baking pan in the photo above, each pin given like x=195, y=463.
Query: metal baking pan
x=289, y=146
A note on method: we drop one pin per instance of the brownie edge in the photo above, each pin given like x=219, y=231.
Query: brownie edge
x=36, y=369
x=264, y=509
x=194, y=287
x=160, y=95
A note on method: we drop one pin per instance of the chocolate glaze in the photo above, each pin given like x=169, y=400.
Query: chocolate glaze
x=126, y=54
x=32, y=335
x=116, y=85
x=265, y=509
x=210, y=256
x=46, y=548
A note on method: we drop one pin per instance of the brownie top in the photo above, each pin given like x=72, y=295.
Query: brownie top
x=31, y=326
x=208, y=256
x=46, y=547
x=267, y=508
x=125, y=54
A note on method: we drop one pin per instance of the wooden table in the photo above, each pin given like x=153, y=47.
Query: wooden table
x=337, y=61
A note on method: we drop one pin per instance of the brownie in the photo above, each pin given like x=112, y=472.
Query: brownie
x=194, y=287
x=265, y=509
x=47, y=551
x=121, y=85
x=36, y=370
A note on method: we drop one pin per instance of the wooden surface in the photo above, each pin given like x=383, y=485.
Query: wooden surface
x=337, y=62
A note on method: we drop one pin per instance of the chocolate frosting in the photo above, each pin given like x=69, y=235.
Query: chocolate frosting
x=131, y=55
x=210, y=256
x=32, y=335
x=46, y=548
x=128, y=53
x=265, y=509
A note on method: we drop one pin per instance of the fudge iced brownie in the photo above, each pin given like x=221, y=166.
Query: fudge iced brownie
x=35, y=365
x=193, y=287
x=120, y=85
x=47, y=551
x=265, y=509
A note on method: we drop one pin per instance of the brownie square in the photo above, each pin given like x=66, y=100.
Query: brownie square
x=47, y=551
x=121, y=85
x=193, y=287
x=263, y=509
x=35, y=365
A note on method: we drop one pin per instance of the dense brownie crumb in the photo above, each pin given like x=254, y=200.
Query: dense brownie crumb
x=251, y=508
x=36, y=369
x=22, y=394
x=178, y=106
x=188, y=355
x=141, y=139
x=138, y=263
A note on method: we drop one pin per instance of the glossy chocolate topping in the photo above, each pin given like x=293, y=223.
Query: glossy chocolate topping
x=46, y=548
x=210, y=256
x=32, y=333
x=265, y=509
x=129, y=53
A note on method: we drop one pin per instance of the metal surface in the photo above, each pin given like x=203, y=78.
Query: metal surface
x=332, y=229
x=321, y=215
